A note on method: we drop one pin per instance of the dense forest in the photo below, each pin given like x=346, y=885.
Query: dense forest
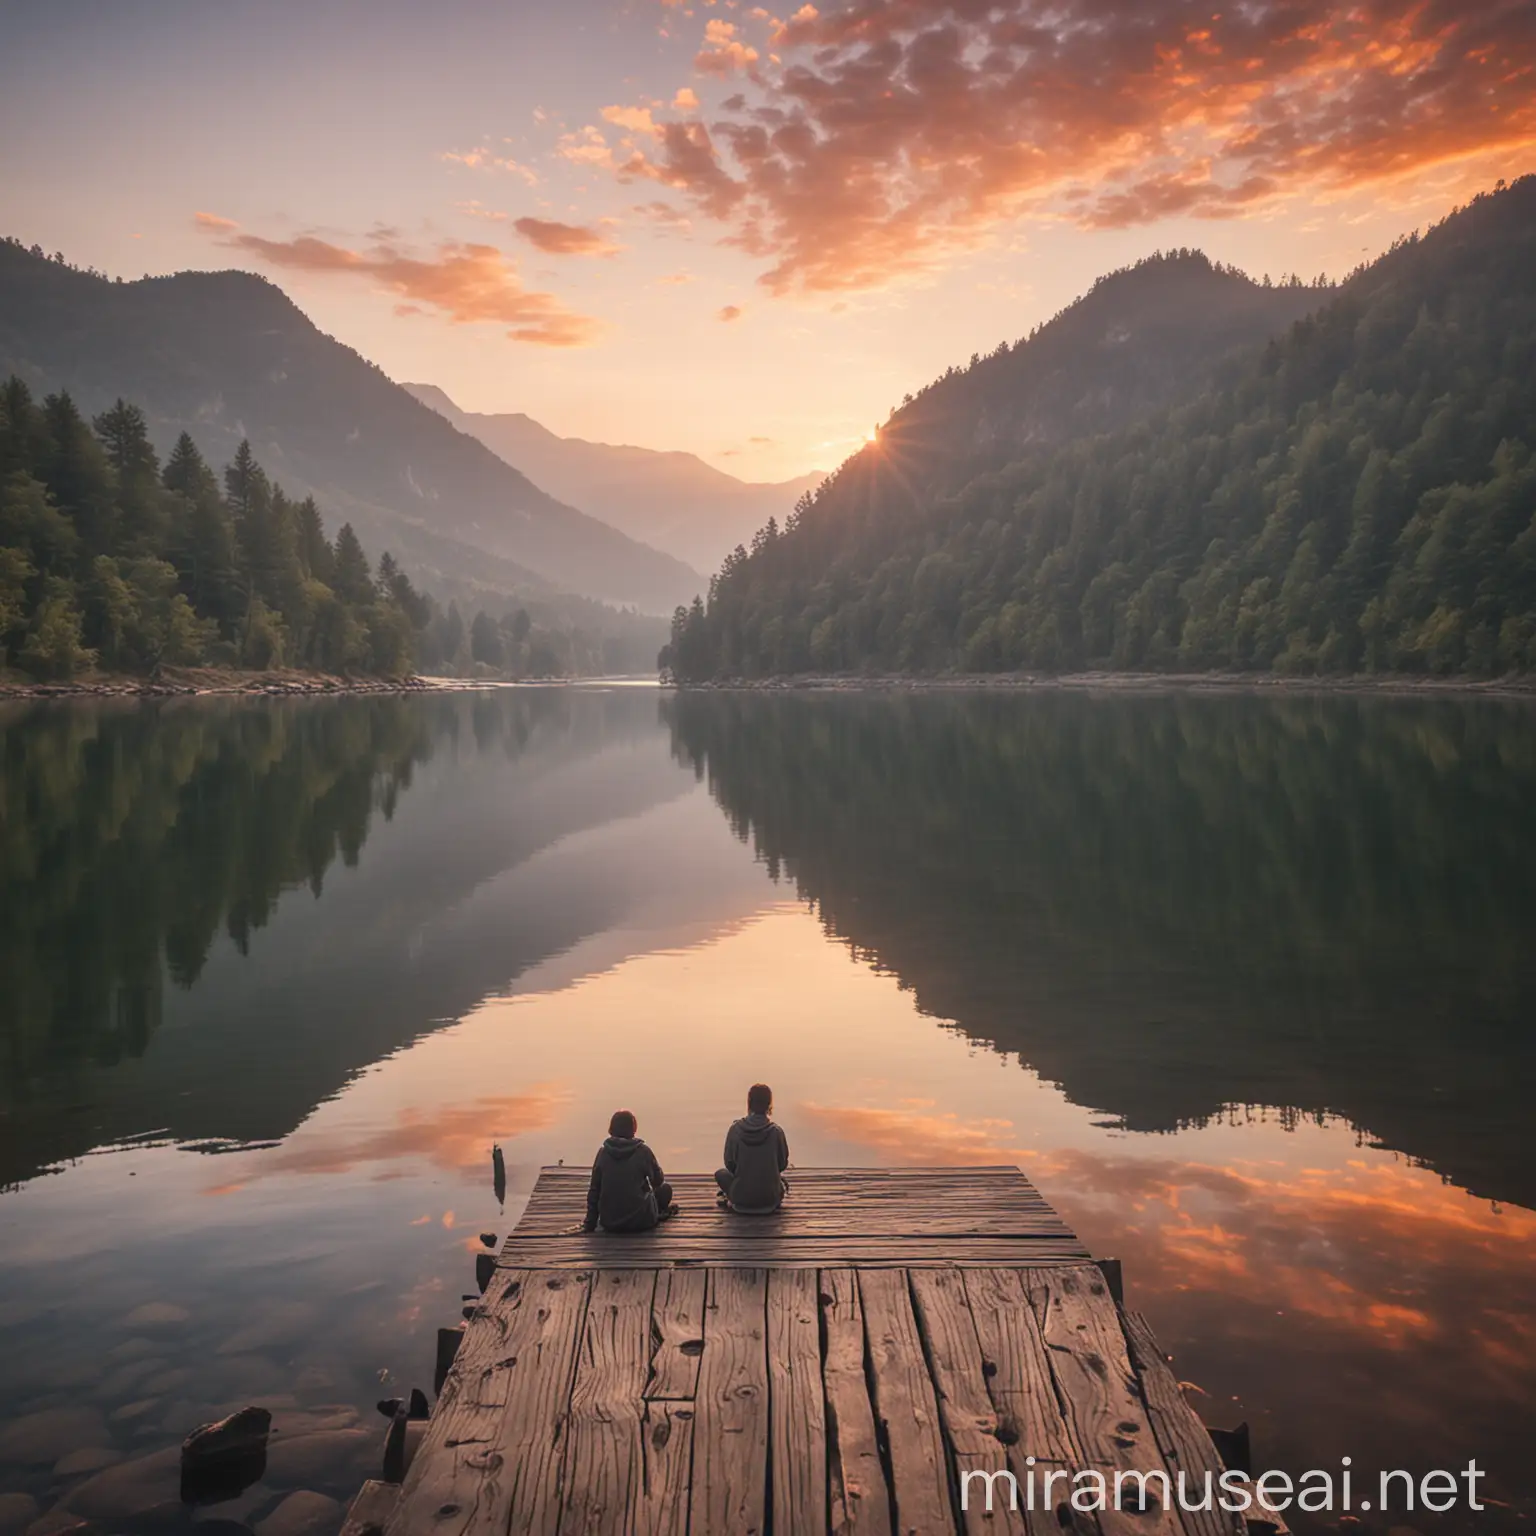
x=109, y=559
x=1356, y=494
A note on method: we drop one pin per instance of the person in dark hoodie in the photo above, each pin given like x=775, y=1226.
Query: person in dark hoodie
x=628, y=1192
x=756, y=1155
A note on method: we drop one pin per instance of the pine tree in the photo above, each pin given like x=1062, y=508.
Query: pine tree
x=352, y=580
x=142, y=522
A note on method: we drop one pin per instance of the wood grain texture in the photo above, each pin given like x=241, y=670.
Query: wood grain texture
x=906, y=1410
x=730, y=1432
x=539, y=1403
x=370, y=1510
x=604, y=1463
x=1180, y=1435
x=966, y=1410
x=859, y=1500
x=1019, y=1380
x=668, y=1447
x=647, y=1250
x=677, y=1334
x=503, y=1398
x=797, y=1417
x=1099, y=1393
x=806, y=1379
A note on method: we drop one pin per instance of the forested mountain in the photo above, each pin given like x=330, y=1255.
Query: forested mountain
x=227, y=356
x=108, y=559
x=1356, y=494
x=105, y=557
x=674, y=501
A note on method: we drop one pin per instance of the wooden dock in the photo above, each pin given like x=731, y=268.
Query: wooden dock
x=838, y=1368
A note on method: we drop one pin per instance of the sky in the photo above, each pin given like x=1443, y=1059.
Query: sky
x=742, y=230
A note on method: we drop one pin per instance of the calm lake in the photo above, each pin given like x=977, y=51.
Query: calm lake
x=1247, y=985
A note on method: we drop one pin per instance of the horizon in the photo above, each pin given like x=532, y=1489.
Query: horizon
x=714, y=229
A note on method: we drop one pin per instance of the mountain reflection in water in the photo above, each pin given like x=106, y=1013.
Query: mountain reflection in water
x=1243, y=983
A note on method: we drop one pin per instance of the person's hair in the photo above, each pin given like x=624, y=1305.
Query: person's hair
x=759, y=1099
x=623, y=1123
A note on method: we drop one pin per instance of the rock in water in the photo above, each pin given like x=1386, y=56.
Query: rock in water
x=223, y=1459
x=499, y=1175
x=239, y=1434
x=17, y=1512
x=44, y=1436
x=488, y=1238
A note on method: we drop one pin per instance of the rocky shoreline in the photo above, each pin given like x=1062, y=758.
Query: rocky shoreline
x=1520, y=686
x=202, y=682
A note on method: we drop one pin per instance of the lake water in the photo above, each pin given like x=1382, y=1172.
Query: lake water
x=1246, y=984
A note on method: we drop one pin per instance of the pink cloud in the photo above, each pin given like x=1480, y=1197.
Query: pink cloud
x=465, y=283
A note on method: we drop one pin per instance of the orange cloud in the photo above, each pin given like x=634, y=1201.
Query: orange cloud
x=487, y=159
x=633, y=119
x=466, y=283
x=723, y=53
x=899, y=131
x=450, y=1137
x=909, y=1132
x=557, y=239
x=729, y=312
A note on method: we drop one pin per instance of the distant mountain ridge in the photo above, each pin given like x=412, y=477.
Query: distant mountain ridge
x=672, y=500
x=227, y=355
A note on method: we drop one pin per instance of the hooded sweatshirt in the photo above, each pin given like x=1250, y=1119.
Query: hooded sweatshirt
x=622, y=1194
x=757, y=1152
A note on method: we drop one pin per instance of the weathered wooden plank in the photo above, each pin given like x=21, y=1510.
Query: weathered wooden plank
x=539, y=1405
x=489, y=1460
x=370, y=1511
x=730, y=1435
x=668, y=1447
x=860, y=1503
x=644, y=1251
x=1019, y=1380
x=966, y=1408
x=905, y=1406
x=603, y=1471
x=677, y=1334
x=1180, y=1435
x=797, y=1415
x=1099, y=1393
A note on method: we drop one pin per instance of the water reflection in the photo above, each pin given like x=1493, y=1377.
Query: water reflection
x=1170, y=905
x=426, y=927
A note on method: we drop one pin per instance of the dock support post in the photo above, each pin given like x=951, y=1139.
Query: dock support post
x=1110, y=1269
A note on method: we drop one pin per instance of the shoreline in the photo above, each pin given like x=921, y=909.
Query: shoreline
x=195, y=682
x=1522, y=686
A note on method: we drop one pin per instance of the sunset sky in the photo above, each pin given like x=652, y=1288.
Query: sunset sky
x=741, y=230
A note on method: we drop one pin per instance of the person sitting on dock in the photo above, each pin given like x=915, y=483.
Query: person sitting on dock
x=628, y=1192
x=756, y=1155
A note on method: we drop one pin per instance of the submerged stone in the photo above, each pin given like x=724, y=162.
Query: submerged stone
x=44, y=1436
